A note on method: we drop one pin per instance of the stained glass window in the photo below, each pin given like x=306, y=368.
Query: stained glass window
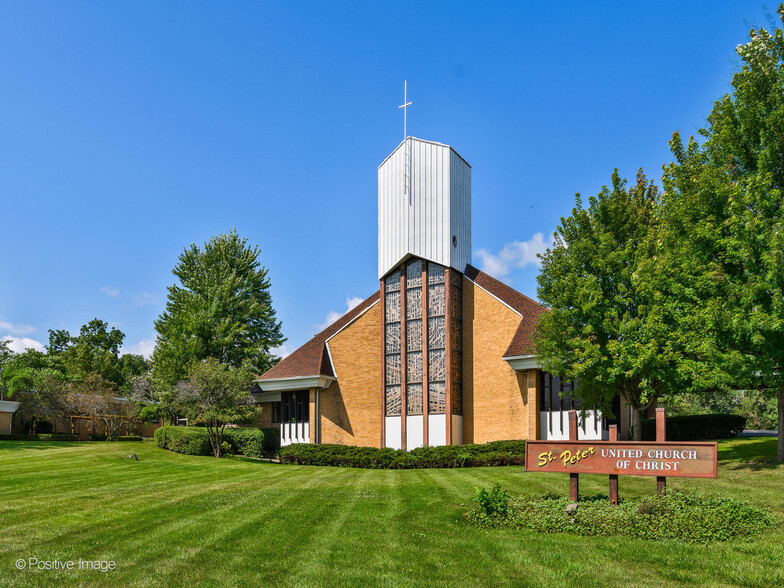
x=414, y=303
x=393, y=338
x=414, y=335
x=436, y=301
x=436, y=334
x=456, y=303
x=393, y=400
x=457, y=398
x=437, y=398
x=414, y=367
x=414, y=274
x=392, y=307
x=457, y=335
x=414, y=398
x=435, y=273
x=436, y=364
x=393, y=281
x=393, y=369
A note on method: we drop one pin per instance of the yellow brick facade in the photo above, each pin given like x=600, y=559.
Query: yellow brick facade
x=496, y=399
x=5, y=423
x=351, y=410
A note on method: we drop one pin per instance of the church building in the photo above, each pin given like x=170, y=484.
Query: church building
x=441, y=353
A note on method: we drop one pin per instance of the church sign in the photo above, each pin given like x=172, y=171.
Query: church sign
x=670, y=459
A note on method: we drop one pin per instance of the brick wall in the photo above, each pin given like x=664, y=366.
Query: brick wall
x=351, y=411
x=495, y=397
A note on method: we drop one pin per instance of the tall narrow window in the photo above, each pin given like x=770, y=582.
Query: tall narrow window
x=436, y=338
x=392, y=344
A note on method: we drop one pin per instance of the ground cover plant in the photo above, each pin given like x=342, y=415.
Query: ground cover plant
x=172, y=520
x=495, y=453
x=685, y=516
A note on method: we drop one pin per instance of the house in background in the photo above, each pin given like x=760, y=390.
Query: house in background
x=441, y=353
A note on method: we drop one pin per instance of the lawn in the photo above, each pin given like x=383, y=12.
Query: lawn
x=175, y=520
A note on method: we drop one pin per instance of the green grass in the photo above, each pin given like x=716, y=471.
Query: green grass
x=176, y=520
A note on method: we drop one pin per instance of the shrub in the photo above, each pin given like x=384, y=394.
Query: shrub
x=246, y=440
x=112, y=436
x=677, y=515
x=496, y=453
x=493, y=503
x=696, y=427
x=271, y=440
x=195, y=441
x=130, y=438
x=38, y=437
x=97, y=437
x=187, y=440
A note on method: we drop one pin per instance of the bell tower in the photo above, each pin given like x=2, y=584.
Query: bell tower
x=424, y=245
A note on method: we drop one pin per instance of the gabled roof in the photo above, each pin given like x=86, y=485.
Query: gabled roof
x=528, y=309
x=312, y=359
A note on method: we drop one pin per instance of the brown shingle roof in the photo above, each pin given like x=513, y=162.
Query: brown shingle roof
x=530, y=309
x=312, y=358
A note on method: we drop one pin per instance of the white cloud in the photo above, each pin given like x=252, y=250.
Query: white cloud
x=19, y=344
x=282, y=351
x=332, y=316
x=144, y=299
x=514, y=255
x=110, y=291
x=144, y=347
x=16, y=329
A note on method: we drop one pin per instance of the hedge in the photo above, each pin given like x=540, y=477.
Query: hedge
x=696, y=427
x=130, y=438
x=187, y=440
x=495, y=453
x=247, y=441
x=37, y=437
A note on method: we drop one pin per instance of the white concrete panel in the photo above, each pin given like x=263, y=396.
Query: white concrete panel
x=436, y=429
x=457, y=429
x=294, y=433
x=424, y=200
x=554, y=425
x=392, y=432
x=414, y=431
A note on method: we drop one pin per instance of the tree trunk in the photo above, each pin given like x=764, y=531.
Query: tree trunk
x=780, y=398
x=637, y=423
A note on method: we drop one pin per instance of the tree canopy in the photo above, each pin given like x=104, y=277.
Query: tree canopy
x=724, y=220
x=221, y=309
x=607, y=327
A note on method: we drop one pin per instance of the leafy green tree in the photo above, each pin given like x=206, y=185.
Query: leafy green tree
x=222, y=308
x=153, y=402
x=607, y=326
x=218, y=394
x=724, y=218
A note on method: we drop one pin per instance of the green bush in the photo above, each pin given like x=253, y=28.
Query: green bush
x=129, y=438
x=246, y=441
x=97, y=437
x=677, y=515
x=38, y=437
x=271, y=440
x=696, y=427
x=497, y=453
x=187, y=440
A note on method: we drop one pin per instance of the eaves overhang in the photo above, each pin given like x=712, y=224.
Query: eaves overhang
x=522, y=362
x=293, y=383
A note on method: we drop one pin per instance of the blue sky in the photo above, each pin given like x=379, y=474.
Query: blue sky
x=129, y=130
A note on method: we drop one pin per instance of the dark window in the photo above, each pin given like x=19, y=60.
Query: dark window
x=556, y=394
x=276, y=412
x=294, y=407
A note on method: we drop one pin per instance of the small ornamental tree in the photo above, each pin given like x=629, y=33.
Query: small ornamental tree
x=218, y=394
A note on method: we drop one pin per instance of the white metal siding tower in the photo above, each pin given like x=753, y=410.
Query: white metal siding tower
x=424, y=206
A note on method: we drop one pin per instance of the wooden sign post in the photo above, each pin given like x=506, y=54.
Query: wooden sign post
x=658, y=458
x=661, y=481
x=613, y=477
x=574, y=479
